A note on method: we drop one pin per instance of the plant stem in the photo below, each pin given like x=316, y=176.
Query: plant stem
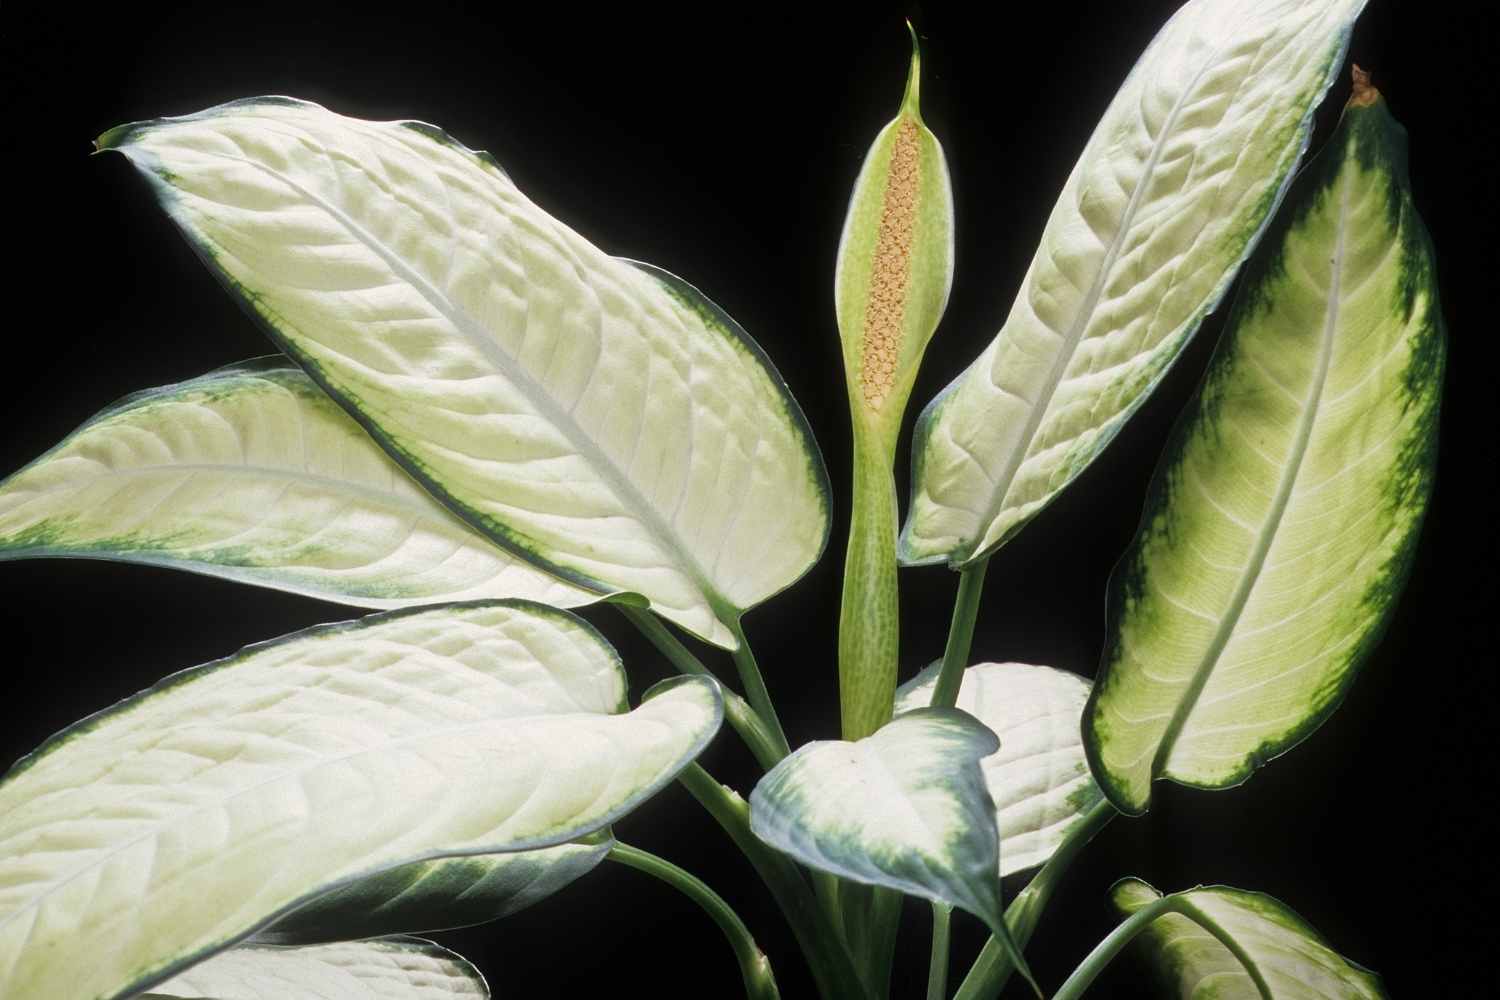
x=937, y=965
x=760, y=983
x=880, y=949
x=870, y=917
x=869, y=611
x=755, y=690
x=1089, y=969
x=960, y=635
x=993, y=967
x=824, y=950
x=745, y=720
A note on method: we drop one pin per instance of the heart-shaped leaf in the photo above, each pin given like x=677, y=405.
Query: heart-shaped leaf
x=598, y=417
x=905, y=808
x=188, y=817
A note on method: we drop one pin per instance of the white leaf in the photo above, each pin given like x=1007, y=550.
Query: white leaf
x=252, y=473
x=190, y=816
x=598, y=417
x=1039, y=778
x=396, y=969
x=1170, y=195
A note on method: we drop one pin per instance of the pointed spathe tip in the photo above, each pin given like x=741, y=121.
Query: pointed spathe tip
x=911, y=100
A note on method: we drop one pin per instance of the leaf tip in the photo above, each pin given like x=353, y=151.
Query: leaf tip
x=116, y=138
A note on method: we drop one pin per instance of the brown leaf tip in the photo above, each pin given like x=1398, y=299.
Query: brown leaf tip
x=1364, y=93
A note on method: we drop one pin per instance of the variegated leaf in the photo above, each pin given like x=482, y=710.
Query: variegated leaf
x=1170, y=195
x=905, y=808
x=1283, y=517
x=254, y=474
x=1039, y=778
x=194, y=814
x=1226, y=943
x=439, y=894
x=598, y=417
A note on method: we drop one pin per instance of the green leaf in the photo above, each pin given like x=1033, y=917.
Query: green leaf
x=196, y=813
x=1170, y=195
x=1284, y=514
x=1224, y=942
x=440, y=894
x=392, y=969
x=600, y=418
x=906, y=808
x=1039, y=778
x=254, y=474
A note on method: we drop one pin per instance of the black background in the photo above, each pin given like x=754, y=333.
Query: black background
x=722, y=144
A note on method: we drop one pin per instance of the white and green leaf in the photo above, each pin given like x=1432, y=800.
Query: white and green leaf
x=1283, y=516
x=439, y=894
x=252, y=473
x=1039, y=779
x=1218, y=942
x=190, y=816
x=394, y=969
x=598, y=417
x=906, y=808
x=1171, y=194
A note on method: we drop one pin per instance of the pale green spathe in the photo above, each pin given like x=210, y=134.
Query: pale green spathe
x=1039, y=779
x=894, y=267
x=1275, y=945
x=598, y=417
x=1170, y=195
x=253, y=474
x=1284, y=513
x=394, y=969
x=192, y=815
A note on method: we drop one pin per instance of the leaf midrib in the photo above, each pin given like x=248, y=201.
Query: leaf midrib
x=1279, y=504
x=407, y=501
x=1074, y=335
x=625, y=490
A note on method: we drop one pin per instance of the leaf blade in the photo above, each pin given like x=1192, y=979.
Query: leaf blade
x=252, y=473
x=437, y=895
x=905, y=808
x=190, y=816
x=1273, y=947
x=398, y=969
x=612, y=427
x=1188, y=164
x=1292, y=493
x=1039, y=779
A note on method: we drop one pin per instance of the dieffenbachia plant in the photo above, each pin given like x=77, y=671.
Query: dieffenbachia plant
x=480, y=421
